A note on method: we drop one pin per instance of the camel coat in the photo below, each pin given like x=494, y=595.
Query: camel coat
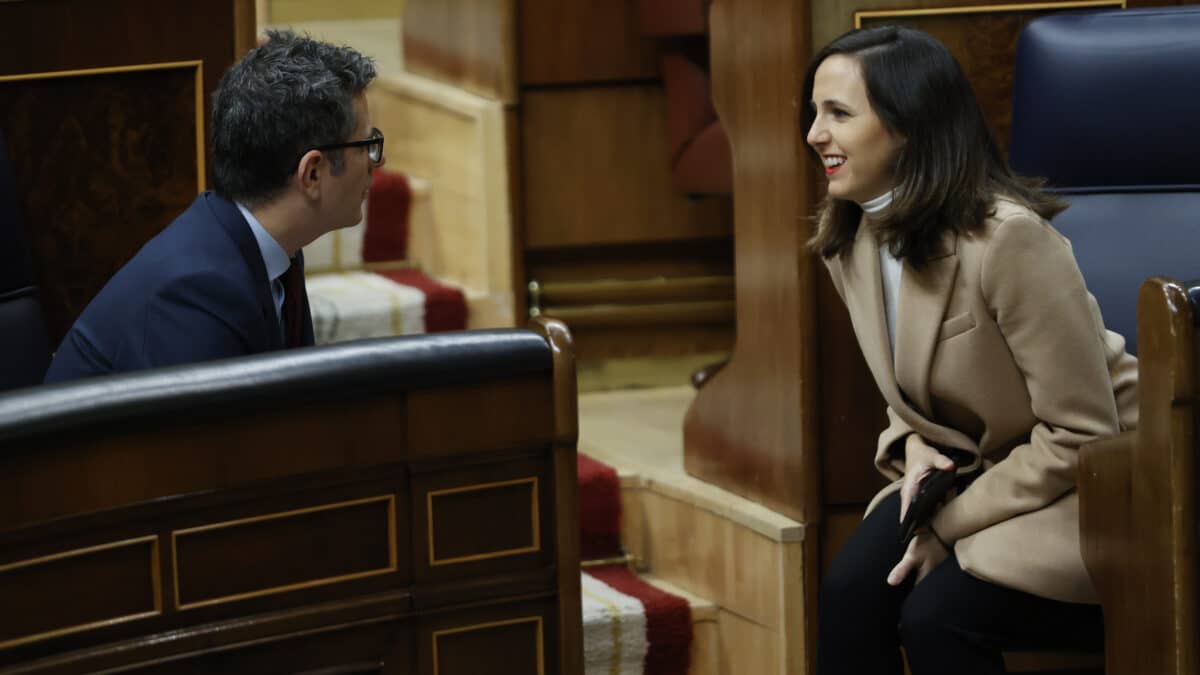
x=1001, y=351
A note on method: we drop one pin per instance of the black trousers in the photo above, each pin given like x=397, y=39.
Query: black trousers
x=949, y=623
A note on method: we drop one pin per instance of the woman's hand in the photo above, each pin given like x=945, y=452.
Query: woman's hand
x=924, y=553
x=919, y=461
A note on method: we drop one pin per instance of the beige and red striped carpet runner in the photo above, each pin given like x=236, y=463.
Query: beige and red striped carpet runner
x=356, y=304
x=629, y=626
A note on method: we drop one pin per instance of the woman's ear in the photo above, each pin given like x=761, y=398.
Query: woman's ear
x=308, y=173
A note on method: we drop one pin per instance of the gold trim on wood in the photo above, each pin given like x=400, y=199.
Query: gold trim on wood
x=628, y=559
x=155, y=581
x=984, y=9
x=201, y=165
x=534, y=522
x=392, y=551
x=201, y=176
x=537, y=620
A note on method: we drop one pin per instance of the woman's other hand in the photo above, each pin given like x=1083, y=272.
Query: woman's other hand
x=924, y=553
x=919, y=461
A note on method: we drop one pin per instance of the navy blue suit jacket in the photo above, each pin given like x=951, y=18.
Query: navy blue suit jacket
x=196, y=291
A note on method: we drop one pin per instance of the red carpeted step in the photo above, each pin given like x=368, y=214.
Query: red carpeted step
x=445, y=306
x=599, y=510
x=668, y=620
x=385, y=239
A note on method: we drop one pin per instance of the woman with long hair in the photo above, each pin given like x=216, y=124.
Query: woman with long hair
x=990, y=353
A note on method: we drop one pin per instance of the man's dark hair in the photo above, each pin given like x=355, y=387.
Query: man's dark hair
x=949, y=170
x=285, y=97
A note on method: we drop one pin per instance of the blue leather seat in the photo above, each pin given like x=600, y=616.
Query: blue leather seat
x=1106, y=107
x=24, y=349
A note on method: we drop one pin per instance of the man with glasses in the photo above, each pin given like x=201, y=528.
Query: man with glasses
x=293, y=149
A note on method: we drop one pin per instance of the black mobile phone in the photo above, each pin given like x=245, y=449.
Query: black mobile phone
x=930, y=493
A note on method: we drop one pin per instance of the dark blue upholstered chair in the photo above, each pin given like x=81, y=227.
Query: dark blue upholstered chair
x=1106, y=107
x=24, y=351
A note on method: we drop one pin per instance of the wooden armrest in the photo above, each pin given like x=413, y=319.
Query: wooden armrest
x=1105, y=506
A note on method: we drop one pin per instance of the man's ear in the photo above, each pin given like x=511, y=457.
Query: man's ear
x=309, y=171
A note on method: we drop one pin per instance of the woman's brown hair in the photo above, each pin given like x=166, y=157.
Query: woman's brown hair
x=949, y=170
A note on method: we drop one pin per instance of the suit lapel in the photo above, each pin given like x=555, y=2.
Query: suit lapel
x=922, y=308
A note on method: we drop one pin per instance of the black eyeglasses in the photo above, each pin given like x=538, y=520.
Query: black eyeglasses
x=373, y=143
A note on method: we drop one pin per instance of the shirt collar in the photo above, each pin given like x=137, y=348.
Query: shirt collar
x=275, y=259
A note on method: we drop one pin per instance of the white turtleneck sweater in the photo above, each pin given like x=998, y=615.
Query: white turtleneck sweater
x=889, y=267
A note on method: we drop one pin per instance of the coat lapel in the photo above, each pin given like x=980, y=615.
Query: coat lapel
x=922, y=307
x=864, y=302
x=238, y=230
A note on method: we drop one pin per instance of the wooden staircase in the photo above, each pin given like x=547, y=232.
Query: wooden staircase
x=738, y=563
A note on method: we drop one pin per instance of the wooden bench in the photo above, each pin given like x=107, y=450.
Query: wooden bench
x=1138, y=498
x=403, y=505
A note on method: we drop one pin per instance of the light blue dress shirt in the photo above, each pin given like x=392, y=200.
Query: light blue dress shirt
x=275, y=259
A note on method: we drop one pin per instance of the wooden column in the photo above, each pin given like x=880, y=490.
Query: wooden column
x=753, y=428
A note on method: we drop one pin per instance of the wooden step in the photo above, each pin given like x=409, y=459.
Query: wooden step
x=745, y=559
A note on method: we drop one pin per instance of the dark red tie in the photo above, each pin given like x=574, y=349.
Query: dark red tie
x=293, y=304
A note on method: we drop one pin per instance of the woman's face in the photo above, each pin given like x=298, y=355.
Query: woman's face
x=859, y=153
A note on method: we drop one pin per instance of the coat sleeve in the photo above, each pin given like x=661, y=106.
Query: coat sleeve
x=888, y=456
x=1033, y=287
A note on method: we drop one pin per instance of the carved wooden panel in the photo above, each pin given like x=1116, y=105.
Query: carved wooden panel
x=279, y=552
x=371, y=647
x=143, y=127
x=575, y=42
x=484, y=519
x=79, y=589
x=467, y=43
x=103, y=160
x=517, y=637
x=513, y=646
x=984, y=40
x=597, y=171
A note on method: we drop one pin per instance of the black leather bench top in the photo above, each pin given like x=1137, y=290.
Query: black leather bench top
x=271, y=380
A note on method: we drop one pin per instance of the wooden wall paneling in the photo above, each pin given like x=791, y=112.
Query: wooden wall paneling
x=575, y=42
x=377, y=646
x=753, y=429
x=466, y=43
x=462, y=145
x=641, y=260
x=245, y=26
x=597, y=171
x=654, y=340
x=516, y=637
x=104, y=159
x=89, y=587
x=472, y=522
x=516, y=235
